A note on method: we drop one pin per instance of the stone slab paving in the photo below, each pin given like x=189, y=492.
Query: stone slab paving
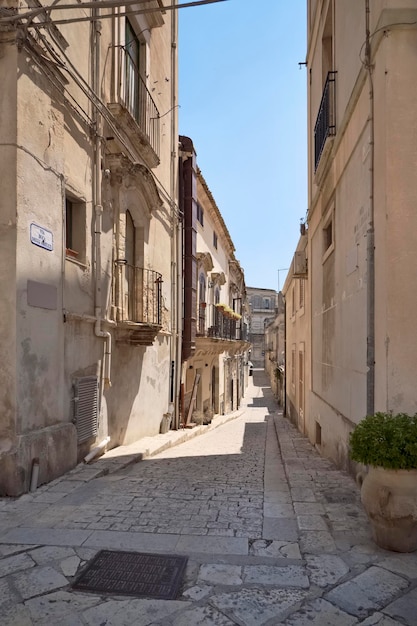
x=274, y=534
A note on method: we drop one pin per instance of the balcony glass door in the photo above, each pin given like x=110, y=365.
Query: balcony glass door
x=130, y=276
x=132, y=48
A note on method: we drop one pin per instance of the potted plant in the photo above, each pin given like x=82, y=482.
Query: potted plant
x=387, y=444
x=227, y=311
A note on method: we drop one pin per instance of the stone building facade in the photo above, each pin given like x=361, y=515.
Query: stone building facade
x=362, y=146
x=215, y=335
x=90, y=227
x=262, y=306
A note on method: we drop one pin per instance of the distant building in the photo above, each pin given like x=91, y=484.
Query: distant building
x=275, y=351
x=215, y=326
x=297, y=338
x=262, y=306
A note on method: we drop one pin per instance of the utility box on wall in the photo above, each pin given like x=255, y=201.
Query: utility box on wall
x=300, y=263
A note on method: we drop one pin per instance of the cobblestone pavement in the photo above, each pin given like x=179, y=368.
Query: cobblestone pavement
x=274, y=534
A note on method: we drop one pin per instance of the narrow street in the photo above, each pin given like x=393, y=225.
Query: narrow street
x=273, y=533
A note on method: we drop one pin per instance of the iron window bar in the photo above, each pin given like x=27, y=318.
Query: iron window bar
x=326, y=118
x=140, y=298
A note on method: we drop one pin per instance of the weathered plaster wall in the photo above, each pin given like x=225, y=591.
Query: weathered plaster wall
x=8, y=165
x=36, y=372
x=339, y=283
x=50, y=341
x=396, y=223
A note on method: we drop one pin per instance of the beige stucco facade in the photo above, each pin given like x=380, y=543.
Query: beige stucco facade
x=275, y=350
x=297, y=340
x=89, y=237
x=361, y=214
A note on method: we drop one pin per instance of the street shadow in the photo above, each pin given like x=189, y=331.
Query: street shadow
x=177, y=485
x=260, y=379
x=262, y=403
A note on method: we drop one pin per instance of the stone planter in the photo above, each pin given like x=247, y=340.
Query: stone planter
x=390, y=501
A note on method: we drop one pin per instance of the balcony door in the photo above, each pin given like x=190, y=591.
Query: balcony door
x=130, y=274
x=132, y=60
x=201, y=313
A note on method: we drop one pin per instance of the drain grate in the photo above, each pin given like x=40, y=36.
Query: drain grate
x=133, y=574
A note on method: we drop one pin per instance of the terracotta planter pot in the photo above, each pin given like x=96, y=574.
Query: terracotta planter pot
x=390, y=501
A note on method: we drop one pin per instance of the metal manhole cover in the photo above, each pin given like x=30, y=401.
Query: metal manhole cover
x=133, y=574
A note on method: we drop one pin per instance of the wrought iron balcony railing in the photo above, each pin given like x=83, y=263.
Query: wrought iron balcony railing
x=139, y=294
x=326, y=118
x=212, y=322
x=135, y=97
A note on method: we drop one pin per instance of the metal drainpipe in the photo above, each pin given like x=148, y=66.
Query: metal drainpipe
x=180, y=309
x=176, y=294
x=370, y=292
x=98, y=208
x=284, y=411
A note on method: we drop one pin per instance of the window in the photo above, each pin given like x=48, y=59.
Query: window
x=256, y=302
x=200, y=214
x=301, y=384
x=214, y=240
x=202, y=289
x=318, y=434
x=326, y=117
x=267, y=303
x=293, y=366
x=130, y=273
x=302, y=292
x=132, y=47
x=201, y=312
x=293, y=301
x=328, y=234
x=327, y=44
x=75, y=228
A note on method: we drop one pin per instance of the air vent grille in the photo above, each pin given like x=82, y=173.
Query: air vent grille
x=86, y=407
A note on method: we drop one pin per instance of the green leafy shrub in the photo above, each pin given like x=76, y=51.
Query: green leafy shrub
x=386, y=440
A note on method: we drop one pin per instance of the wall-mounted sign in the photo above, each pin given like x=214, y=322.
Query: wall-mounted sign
x=41, y=237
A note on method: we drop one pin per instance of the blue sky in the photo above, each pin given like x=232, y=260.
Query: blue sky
x=242, y=101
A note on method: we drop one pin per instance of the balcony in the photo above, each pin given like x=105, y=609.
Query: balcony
x=326, y=119
x=138, y=303
x=217, y=332
x=155, y=18
x=135, y=110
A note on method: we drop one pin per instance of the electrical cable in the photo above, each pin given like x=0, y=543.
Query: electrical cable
x=95, y=100
x=378, y=30
x=104, y=4
x=58, y=84
x=102, y=109
x=34, y=12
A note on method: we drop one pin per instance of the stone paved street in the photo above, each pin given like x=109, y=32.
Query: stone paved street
x=274, y=534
